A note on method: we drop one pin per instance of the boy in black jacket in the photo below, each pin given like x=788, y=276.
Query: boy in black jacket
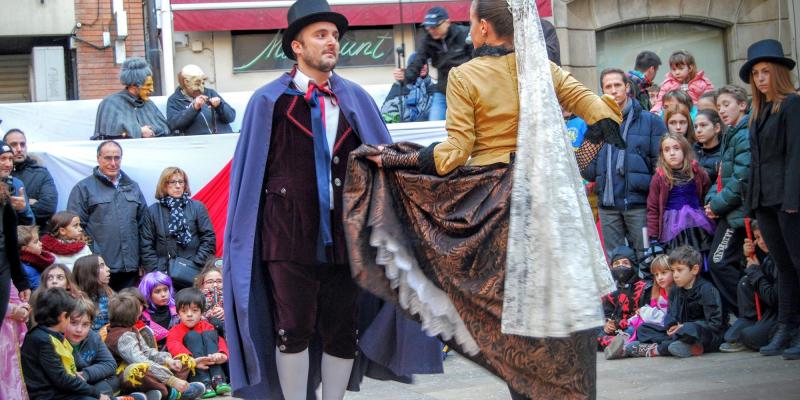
x=694, y=320
x=757, y=298
x=47, y=361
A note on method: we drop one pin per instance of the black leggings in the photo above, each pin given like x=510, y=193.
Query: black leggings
x=781, y=232
x=203, y=344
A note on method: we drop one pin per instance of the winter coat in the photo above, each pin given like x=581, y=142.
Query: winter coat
x=775, y=151
x=761, y=280
x=93, y=358
x=183, y=119
x=110, y=216
x=709, y=160
x=734, y=174
x=122, y=116
x=444, y=54
x=659, y=195
x=157, y=245
x=696, y=87
x=39, y=185
x=641, y=154
x=49, y=367
x=699, y=309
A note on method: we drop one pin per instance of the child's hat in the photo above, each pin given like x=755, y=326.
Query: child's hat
x=769, y=50
x=623, y=252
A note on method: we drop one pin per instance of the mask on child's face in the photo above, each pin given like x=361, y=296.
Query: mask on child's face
x=622, y=274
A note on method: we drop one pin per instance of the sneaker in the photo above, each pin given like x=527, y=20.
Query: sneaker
x=209, y=393
x=636, y=349
x=732, y=347
x=132, y=396
x=174, y=394
x=616, y=349
x=195, y=390
x=222, y=388
x=684, y=350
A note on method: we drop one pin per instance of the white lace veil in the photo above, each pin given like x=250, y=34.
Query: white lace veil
x=556, y=269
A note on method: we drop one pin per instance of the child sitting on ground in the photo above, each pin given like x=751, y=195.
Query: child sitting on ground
x=684, y=75
x=621, y=305
x=141, y=323
x=757, y=298
x=647, y=326
x=65, y=238
x=34, y=259
x=195, y=337
x=694, y=319
x=95, y=363
x=160, y=314
x=47, y=361
x=142, y=368
x=209, y=281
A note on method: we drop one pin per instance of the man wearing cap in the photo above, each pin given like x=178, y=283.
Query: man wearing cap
x=39, y=185
x=17, y=198
x=195, y=109
x=446, y=46
x=287, y=271
x=130, y=113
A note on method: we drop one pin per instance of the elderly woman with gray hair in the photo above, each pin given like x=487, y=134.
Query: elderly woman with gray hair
x=130, y=113
x=195, y=109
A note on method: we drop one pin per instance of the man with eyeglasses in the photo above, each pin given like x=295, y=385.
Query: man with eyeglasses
x=446, y=46
x=111, y=205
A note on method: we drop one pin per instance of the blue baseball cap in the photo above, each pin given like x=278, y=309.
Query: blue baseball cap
x=435, y=16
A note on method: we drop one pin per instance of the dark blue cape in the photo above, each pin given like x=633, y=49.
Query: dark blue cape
x=248, y=319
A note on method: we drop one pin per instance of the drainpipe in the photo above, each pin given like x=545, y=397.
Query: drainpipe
x=168, y=51
x=152, y=46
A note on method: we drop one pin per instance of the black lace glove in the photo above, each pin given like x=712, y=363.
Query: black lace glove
x=392, y=159
x=606, y=130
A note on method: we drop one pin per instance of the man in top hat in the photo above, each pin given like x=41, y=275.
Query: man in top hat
x=446, y=46
x=287, y=271
x=130, y=113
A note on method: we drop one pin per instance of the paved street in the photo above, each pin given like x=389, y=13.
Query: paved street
x=740, y=376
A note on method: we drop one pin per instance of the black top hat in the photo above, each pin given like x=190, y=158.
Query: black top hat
x=305, y=12
x=764, y=50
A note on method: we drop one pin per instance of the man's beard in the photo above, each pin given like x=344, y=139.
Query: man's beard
x=319, y=64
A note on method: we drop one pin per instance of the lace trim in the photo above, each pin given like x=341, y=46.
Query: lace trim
x=418, y=295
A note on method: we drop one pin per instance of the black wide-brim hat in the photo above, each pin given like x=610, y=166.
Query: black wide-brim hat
x=769, y=50
x=306, y=12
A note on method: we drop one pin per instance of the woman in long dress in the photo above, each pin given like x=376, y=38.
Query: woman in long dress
x=487, y=237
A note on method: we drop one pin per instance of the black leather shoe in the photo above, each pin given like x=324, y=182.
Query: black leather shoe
x=780, y=342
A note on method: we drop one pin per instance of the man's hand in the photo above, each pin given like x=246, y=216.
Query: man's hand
x=399, y=74
x=215, y=101
x=18, y=202
x=147, y=132
x=199, y=101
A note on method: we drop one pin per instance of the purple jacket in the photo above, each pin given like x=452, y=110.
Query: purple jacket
x=248, y=322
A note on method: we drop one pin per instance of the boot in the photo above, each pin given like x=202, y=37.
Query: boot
x=780, y=342
x=293, y=374
x=335, y=376
x=793, y=352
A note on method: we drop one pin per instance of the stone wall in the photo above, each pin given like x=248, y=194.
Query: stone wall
x=744, y=22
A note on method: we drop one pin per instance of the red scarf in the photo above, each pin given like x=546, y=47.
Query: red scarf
x=60, y=247
x=38, y=261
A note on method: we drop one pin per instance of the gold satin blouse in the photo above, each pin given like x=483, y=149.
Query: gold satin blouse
x=483, y=110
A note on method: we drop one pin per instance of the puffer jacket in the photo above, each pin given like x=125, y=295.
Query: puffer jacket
x=695, y=88
x=734, y=173
x=110, y=216
x=157, y=244
x=709, y=159
x=39, y=185
x=641, y=155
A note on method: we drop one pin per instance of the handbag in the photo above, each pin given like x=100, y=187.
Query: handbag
x=181, y=270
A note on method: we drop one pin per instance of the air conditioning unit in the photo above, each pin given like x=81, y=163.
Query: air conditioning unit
x=48, y=77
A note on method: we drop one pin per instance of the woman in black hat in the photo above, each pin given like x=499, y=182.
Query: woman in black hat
x=774, y=193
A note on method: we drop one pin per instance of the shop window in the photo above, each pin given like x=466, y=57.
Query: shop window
x=618, y=47
x=360, y=47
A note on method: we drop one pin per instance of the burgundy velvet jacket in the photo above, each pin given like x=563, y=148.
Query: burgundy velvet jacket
x=290, y=216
